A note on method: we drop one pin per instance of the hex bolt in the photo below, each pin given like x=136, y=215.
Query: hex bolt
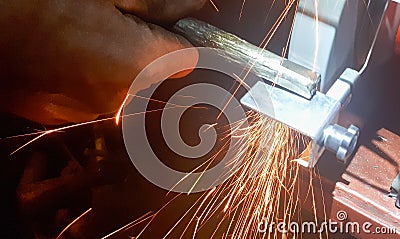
x=341, y=141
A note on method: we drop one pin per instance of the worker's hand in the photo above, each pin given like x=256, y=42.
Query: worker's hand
x=69, y=61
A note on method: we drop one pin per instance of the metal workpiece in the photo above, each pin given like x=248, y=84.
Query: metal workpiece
x=340, y=140
x=263, y=63
x=309, y=117
x=315, y=118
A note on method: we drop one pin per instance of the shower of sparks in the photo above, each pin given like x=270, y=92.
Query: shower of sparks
x=264, y=188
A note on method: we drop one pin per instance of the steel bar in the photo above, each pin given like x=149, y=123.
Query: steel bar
x=263, y=63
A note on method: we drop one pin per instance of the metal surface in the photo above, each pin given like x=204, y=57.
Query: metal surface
x=263, y=63
x=309, y=117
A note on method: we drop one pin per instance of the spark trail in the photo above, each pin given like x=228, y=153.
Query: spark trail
x=265, y=188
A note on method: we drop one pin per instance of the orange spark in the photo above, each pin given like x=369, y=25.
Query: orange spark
x=73, y=222
x=241, y=9
x=214, y=5
x=121, y=108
